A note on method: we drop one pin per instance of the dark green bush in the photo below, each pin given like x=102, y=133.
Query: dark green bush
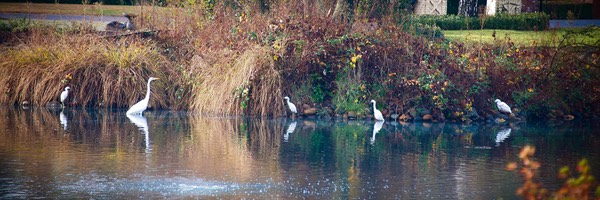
x=525, y=21
x=449, y=22
x=423, y=29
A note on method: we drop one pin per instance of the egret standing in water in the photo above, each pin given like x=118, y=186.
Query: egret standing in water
x=291, y=105
x=64, y=95
x=141, y=106
x=503, y=107
x=376, y=113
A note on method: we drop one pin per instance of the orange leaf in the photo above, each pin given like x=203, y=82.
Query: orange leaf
x=511, y=166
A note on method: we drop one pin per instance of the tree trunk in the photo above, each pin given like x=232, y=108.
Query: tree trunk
x=467, y=8
x=304, y=8
x=596, y=9
x=339, y=12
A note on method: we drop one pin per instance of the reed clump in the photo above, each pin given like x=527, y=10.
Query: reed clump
x=103, y=72
x=227, y=87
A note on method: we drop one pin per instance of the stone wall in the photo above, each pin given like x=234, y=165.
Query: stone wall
x=490, y=7
x=504, y=6
x=431, y=7
x=510, y=6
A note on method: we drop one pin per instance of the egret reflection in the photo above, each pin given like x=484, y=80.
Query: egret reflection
x=290, y=129
x=376, y=127
x=141, y=122
x=502, y=135
x=63, y=120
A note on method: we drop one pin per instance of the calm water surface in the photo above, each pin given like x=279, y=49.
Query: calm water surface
x=106, y=155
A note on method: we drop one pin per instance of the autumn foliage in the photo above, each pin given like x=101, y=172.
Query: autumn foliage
x=579, y=187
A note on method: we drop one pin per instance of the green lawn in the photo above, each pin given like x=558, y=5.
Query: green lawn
x=526, y=38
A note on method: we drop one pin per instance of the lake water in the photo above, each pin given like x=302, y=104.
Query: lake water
x=103, y=154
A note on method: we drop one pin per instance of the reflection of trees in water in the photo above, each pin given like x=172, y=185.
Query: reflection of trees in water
x=168, y=129
x=36, y=139
x=231, y=147
x=401, y=152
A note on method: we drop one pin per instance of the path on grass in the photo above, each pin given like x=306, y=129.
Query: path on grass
x=62, y=17
x=98, y=22
x=574, y=23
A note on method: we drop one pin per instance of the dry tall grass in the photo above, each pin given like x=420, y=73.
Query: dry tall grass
x=100, y=71
x=235, y=79
x=234, y=74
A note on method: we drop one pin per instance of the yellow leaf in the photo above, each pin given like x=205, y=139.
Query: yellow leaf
x=511, y=166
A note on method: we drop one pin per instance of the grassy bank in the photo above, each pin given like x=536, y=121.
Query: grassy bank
x=233, y=60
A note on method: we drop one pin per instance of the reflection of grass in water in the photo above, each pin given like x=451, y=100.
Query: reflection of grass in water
x=311, y=141
x=101, y=144
x=349, y=139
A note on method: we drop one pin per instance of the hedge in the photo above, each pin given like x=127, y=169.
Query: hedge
x=524, y=21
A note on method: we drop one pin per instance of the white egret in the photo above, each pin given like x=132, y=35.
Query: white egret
x=503, y=107
x=141, y=106
x=290, y=129
x=502, y=135
x=63, y=95
x=376, y=127
x=291, y=105
x=376, y=113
